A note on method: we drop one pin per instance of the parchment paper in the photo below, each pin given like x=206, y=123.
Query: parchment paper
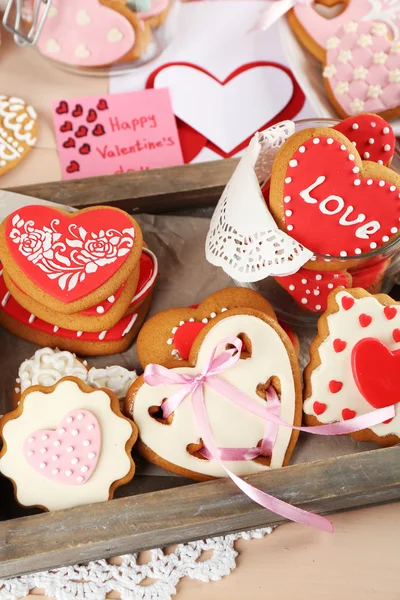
x=185, y=278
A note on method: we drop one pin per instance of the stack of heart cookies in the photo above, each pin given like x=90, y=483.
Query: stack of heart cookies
x=77, y=281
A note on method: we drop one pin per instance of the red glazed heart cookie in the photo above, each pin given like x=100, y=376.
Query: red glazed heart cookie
x=329, y=200
x=373, y=137
x=354, y=363
x=69, y=261
x=66, y=445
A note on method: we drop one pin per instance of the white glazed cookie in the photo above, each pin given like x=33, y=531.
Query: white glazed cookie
x=359, y=338
x=66, y=446
x=272, y=359
x=18, y=131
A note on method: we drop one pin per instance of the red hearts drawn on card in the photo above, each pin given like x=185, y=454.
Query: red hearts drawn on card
x=69, y=143
x=85, y=149
x=98, y=130
x=73, y=167
x=92, y=116
x=62, y=108
x=373, y=137
x=376, y=372
x=78, y=111
x=192, y=141
x=102, y=104
x=82, y=131
x=67, y=126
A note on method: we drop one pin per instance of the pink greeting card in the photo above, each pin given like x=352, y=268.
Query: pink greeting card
x=116, y=133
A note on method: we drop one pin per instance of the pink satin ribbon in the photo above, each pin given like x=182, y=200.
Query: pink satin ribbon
x=273, y=12
x=156, y=375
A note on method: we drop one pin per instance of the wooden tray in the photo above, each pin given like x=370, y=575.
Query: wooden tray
x=160, y=511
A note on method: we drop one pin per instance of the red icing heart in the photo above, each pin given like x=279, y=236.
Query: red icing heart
x=363, y=128
x=85, y=149
x=98, y=130
x=365, y=320
x=67, y=126
x=328, y=206
x=347, y=414
x=78, y=111
x=339, y=345
x=390, y=312
x=185, y=336
x=92, y=116
x=376, y=371
x=335, y=386
x=69, y=257
x=347, y=302
x=73, y=167
x=310, y=289
x=62, y=108
x=82, y=131
x=70, y=143
x=396, y=335
x=319, y=407
x=102, y=104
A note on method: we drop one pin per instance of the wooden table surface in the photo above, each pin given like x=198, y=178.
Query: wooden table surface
x=361, y=558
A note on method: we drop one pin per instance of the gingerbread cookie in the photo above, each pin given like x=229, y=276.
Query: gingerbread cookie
x=354, y=363
x=331, y=201
x=152, y=12
x=18, y=131
x=362, y=70
x=69, y=262
x=170, y=334
x=47, y=366
x=373, y=137
x=97, y=34
x=266, y=359
x=66, y=445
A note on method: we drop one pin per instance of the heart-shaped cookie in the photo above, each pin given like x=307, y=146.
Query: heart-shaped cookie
x=354, y=363
x=331, y=201
x=268, y=359
x=170, y=334
x=69, y=453
x=362, y=71
x=69, y=261
x=373, y=137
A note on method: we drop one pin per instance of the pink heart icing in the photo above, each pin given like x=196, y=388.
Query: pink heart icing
x=69, y=453
x=363, y=68
x=85, y=33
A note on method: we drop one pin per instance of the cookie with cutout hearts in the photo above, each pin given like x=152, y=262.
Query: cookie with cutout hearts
x=355, y=363
x=240, y=364
x=331, y=201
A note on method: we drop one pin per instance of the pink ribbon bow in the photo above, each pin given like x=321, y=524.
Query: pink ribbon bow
x=273, y=12
x=156, y=375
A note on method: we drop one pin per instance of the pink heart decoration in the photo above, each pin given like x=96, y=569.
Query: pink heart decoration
x=362, y=70
x=68, y=454
x=85, y=33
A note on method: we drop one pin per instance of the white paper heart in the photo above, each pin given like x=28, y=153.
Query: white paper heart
x=217, y=111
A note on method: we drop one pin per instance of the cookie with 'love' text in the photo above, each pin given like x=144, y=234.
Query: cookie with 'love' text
x=355, y=363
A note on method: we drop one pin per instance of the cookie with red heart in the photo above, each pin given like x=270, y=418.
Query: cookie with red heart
x=246, y=350
x=66, y=445
x=355, y=363
x=373, y=137
x=331, y=201
x=170, y=334
x=70, y=262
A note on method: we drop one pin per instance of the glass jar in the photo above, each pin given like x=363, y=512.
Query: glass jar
x=300, y=299
x=95, y=37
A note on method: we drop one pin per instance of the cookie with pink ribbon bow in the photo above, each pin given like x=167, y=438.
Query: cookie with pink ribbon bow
x=66, y=445
x=355, y=364
x=242, y=366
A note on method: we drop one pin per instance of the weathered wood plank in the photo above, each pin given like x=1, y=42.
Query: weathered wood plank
x=153, y=191
x=192, y=512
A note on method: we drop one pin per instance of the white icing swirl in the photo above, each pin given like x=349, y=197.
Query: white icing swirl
x=115, y=378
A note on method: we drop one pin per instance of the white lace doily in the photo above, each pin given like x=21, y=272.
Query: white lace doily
x=243, y=237
x=155, y=580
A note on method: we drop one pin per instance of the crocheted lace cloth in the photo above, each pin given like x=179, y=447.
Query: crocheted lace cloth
x=155, y=580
